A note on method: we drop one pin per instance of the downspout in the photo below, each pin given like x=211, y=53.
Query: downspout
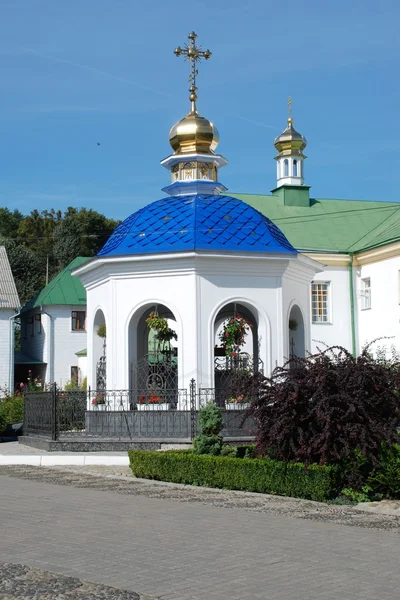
x=50, y=351
x=11, y=352
x=352, y=311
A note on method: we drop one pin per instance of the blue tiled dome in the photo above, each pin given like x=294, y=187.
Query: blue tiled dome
x=188, y=223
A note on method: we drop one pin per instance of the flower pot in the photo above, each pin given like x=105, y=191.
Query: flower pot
x=237, y=406
x=219, y=352
x=155, y=406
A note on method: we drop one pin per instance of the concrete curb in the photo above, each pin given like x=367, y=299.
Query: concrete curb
x=80, y=460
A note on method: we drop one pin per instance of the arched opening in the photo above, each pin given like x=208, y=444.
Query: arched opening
x=236, y=353
x=99, y=350
x=296, y=333
x=153, y=358
x=295, y=168
x=286, y=168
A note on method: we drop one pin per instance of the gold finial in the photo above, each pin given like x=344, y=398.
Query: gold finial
x=194, y=54
x=290, y=102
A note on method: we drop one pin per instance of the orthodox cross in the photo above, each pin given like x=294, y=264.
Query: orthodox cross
x=290, y=107
x=194, y=54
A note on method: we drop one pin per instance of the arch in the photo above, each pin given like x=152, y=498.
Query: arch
x=296, y=331
x=295, y=168
x=263, y=330
x=98, y=350
x=151, y=365
x=286, y=168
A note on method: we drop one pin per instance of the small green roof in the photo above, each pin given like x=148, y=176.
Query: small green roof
x=81, y=353
x=24, y=359
x=63, y=289
x=331, y=225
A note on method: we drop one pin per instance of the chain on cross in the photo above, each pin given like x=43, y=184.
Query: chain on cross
x=193, y=54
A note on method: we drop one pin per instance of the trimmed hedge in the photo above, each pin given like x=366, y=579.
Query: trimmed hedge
x=248, y=474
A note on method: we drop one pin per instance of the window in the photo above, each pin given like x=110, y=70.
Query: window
x=286, y=168
x=38, y=320
x=295, y=168
x=365, y=293
x=75, y=374
x=320, y=301
x=30, y=326
x=78, y=318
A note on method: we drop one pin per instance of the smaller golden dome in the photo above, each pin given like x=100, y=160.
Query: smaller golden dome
x=290, y=141
x=194, y=134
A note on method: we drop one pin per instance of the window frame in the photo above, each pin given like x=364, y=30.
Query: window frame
x=365, y=293
x=75, y=318
x=38, y=319
x=74, y=372
x=328, y=293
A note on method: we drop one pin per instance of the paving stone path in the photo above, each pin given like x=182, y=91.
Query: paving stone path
x=183, y=543
x=18, y=582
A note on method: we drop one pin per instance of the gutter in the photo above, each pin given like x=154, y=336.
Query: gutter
x=50, y=353
x=11, y=351
x=352, y=310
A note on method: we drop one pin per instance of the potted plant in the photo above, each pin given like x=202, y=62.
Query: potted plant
x=99, y=402
x=237, y=403
x=152, y=402
x=233, y=335
x=160, y=325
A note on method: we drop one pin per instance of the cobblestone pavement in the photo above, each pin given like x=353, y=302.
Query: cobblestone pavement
x=182, y=543
x=18, y=582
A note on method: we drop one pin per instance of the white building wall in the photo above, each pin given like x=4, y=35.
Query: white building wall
x=5, y=357
x=56, y=343
x=337, y=332
x=383, y=318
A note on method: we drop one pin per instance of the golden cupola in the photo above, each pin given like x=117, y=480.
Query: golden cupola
x=290, y=158
x=193, y=133
x=193, y=164
x=290, y=141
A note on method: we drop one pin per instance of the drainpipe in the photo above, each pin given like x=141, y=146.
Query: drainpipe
x=50, y=351
x=11, y=352
x=352, y=311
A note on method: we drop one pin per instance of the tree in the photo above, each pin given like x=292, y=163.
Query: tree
x=27, y=268
x=9, y=222
x=80, y=233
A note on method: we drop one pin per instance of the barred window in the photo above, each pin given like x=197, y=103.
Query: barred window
x=320, y=309
x=365, y=293
x=78, y=318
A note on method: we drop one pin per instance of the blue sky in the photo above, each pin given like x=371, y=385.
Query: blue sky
x=77, y=73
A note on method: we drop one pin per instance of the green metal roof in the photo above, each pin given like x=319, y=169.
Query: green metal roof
x=24, y=359
x=81, y=353
x=63, y=289
x=331, y=225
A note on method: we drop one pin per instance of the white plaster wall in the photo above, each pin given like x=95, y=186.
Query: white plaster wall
x=296, y=291
x=82, y=365
x=5, y=357
x=57, y=344
x=383, y=318
x=338, y=331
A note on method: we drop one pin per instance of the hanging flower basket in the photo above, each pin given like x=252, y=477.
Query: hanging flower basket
x=233, y=335
x=160, y=325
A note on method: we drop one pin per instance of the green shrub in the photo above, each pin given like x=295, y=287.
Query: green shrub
x=253, y=475
x=210, y=419
x=227, y=450
x=211, y=423
x=386, y=478
x=12, y=409
x=207, y=444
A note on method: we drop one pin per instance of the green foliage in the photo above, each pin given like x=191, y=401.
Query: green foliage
x=233, y=334
x=210, y=419
x=366, y=494
x=12, y=409
x=253, y=475
x=102, y=331
x=73, y=385
x=386, y=478
x=227, y=450
x=207, y=444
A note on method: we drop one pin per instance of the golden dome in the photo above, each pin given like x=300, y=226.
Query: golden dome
x=290, y=141
x=194, y=134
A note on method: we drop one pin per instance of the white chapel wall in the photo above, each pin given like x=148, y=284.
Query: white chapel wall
x=5, y=348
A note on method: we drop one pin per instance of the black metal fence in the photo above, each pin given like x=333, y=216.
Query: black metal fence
x=123, y=414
